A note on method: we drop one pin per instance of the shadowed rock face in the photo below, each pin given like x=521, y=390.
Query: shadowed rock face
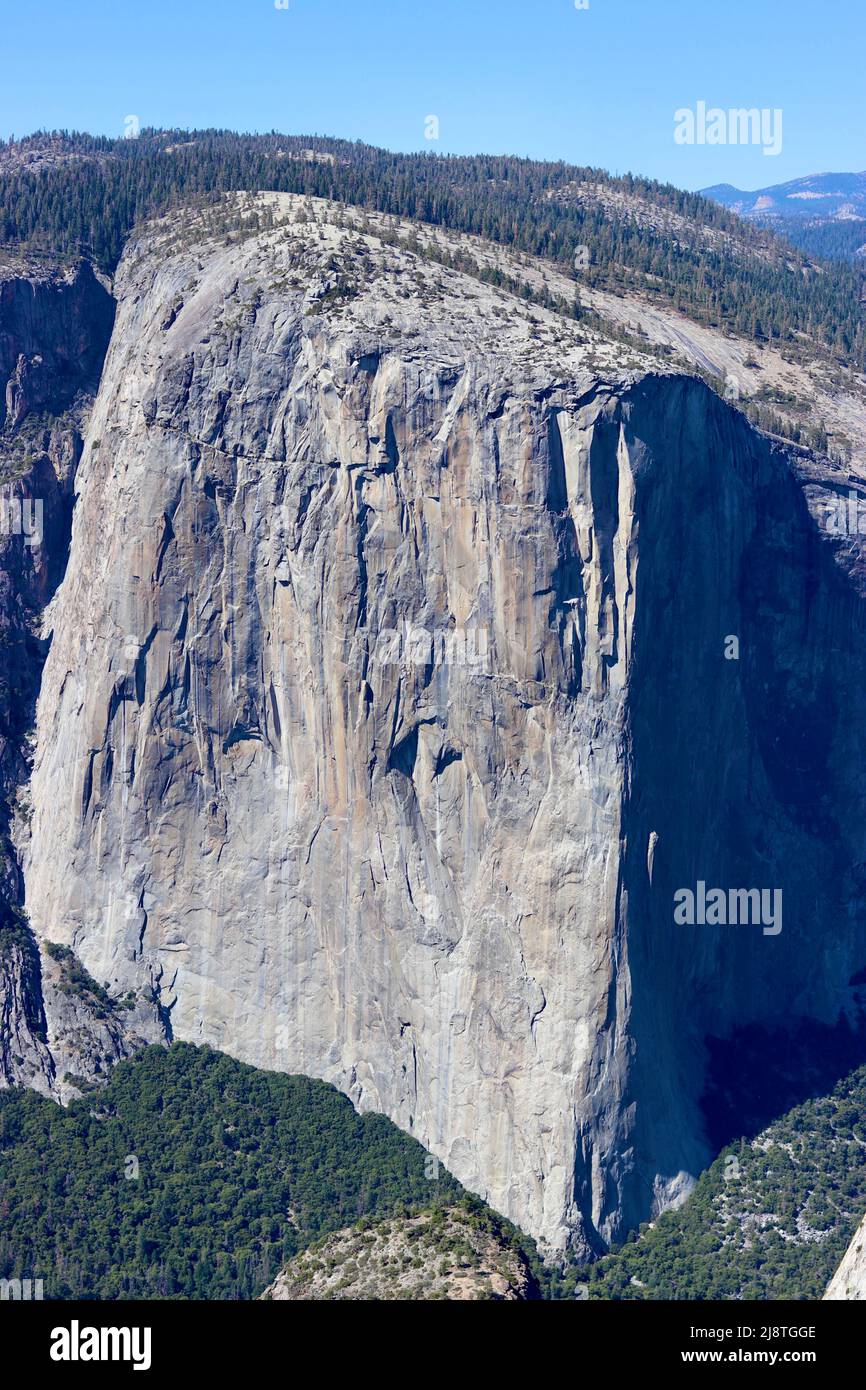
x=54, y=332
x=738, y=772
x=445, y=885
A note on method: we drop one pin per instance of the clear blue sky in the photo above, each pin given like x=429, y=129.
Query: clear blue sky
x=531, y=77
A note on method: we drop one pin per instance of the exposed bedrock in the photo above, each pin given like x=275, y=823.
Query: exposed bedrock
x=443, y=877
x=54, y=331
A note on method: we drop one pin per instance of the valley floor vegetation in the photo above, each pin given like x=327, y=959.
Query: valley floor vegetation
x=191, y=1175
x=194, y=1176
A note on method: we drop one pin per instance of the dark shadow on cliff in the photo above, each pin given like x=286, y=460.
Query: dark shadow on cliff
x=54, y=334
x=758, y=1074
x=746, y=774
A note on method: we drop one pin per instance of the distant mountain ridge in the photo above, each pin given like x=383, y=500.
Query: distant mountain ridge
x=822, y=214
x=841, y=197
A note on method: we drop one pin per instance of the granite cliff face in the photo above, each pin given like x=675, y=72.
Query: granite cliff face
x=849, y=1281
x=391, y=697
x=54, y=331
